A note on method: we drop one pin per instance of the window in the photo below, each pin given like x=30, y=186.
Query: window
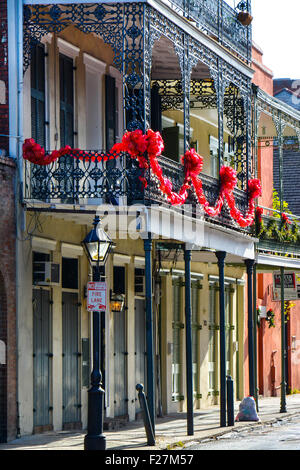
x=69, y=273
x=119, y=280
x=139, y=281
x=38, y=267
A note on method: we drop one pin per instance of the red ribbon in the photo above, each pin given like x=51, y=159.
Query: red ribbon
x=139, y=146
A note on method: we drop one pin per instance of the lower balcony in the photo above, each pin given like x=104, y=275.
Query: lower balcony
x=279, y=235
x=102, y=178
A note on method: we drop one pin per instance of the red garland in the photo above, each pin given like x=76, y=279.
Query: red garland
x=36, y=154
x=139, y=146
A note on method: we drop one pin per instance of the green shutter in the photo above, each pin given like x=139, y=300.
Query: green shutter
x=110, y=111
x=66, y=100
x=38, y=95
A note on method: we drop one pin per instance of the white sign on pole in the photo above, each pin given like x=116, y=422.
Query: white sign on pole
x=96, y=296
x=290, y=286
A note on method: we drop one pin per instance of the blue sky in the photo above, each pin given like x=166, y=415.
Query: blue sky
x=276, y=29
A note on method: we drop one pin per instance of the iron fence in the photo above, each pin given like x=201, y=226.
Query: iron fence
x=92, y=177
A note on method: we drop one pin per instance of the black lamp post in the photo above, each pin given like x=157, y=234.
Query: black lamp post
x=97, y=245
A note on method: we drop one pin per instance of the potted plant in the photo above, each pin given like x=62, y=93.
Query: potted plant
x=270, y=318
x=244, y=18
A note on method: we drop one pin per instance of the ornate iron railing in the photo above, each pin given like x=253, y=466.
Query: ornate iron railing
x=220, y=20
x=275, y=235
x=211, y=186
x=74, y=178
x=103, y=178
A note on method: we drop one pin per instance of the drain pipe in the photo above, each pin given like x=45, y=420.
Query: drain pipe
x=15, y=90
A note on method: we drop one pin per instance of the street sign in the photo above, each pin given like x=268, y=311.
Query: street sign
x=290, y=286
x=96, y=296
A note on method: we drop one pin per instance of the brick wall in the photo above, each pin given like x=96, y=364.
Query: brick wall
x=8, y=369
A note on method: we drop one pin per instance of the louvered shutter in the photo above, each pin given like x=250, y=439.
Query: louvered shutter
x=110, y=111
x=38, y=94
x=66, y=101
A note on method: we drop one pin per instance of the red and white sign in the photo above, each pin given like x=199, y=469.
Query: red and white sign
x=96, y=296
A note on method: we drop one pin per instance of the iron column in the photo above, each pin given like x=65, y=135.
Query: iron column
x=149, y=330
x=249, y=264
x=221, y=255
x=95, y=440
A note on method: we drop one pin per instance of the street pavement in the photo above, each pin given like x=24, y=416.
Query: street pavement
x=171, y=430
x=281, y=435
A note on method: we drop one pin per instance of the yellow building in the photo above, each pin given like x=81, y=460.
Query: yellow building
x=90, y=72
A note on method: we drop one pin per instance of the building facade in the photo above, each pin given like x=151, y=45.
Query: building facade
x=278, y=325
x=80, y=75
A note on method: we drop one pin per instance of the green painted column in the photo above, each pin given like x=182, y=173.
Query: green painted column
x=255, y=335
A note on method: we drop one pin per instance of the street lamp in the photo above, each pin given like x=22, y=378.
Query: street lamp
x=97, y=245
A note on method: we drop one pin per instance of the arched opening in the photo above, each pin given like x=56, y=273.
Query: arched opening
x=167, y=115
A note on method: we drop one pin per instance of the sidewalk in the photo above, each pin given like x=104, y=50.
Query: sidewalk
x=170, y=430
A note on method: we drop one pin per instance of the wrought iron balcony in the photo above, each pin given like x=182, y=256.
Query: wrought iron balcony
x=277, y=235
x=114, y=179
x=219, y=20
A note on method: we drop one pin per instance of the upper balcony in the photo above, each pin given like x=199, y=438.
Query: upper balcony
x=90, y=73
x=230, y=26
x=227, y=22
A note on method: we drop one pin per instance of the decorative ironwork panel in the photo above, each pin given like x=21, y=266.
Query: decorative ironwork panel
x=219, y=20
x=106, y=20
x=134, y=73
x=123, y=26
